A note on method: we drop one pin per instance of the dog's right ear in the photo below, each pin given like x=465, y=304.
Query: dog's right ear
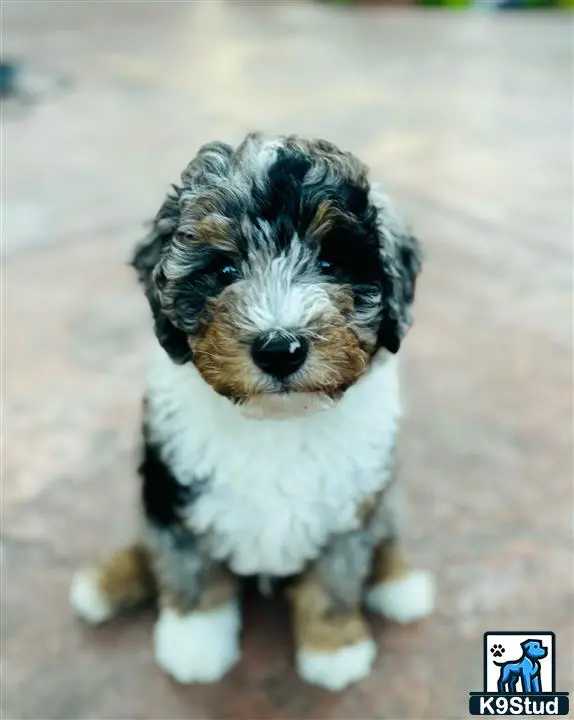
x=145, y=260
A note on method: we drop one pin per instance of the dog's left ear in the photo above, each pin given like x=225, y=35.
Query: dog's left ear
x=401, y=260
x=145, y=260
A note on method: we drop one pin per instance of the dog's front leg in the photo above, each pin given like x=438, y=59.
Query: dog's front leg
x=526, y=678
x=334, y=646
x=398, y=590
x=196, y=636
x=395, y=589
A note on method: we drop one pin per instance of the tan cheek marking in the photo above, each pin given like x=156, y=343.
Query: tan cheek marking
x=219, y=356
x=339, y=355
x=126, y=578
x=318, y=625
x=339, y=359
x=341, y=297
x=390, y=563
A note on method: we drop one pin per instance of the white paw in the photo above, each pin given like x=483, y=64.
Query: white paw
x=86, y=597
x=200, y=646
x=405, y=599
x=335, y=670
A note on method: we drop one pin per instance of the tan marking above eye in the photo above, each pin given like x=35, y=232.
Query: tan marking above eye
x=215, y=231
x=323, y=219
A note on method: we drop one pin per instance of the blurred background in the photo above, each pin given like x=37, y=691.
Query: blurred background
x=466, y=118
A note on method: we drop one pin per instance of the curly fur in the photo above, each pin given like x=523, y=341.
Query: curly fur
x=285, y=237
x=312, y=247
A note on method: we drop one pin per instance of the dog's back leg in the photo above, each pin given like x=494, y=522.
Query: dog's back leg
x=116, y=583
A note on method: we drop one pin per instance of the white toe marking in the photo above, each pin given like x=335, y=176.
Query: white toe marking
x=336, y=670
x=86, y=597
x=405, y=599
x=200, y=646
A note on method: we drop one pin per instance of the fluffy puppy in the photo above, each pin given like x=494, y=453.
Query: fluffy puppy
x=280, y=284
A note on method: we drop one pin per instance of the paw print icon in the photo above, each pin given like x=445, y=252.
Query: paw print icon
x=497, y=650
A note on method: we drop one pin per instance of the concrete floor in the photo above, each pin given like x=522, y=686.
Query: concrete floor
x=467, y=119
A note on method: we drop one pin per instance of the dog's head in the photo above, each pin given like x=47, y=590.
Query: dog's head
x=276, y=269
x=534, y=649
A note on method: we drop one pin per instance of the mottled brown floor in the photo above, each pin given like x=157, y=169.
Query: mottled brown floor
x=467, y=118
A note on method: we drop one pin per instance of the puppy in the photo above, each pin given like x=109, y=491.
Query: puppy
x=280, y=283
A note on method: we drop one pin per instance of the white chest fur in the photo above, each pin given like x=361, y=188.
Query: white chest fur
x=276, y=490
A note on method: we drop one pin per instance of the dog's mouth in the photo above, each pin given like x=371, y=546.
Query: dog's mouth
x=286, y=388
x=291, y=398
x=285, y=404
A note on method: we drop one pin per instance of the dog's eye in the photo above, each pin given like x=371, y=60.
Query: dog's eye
x=229, y=272
x=331, y=268
x=224, y=269
x=325, y=265
x=349, y=258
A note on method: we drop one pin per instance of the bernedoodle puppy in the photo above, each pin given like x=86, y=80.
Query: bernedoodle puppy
x=280, y=283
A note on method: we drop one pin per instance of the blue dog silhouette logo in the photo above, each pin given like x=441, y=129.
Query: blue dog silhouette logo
x=519, y=676
x=525, y=670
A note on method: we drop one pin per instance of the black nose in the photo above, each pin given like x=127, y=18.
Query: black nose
x=279, y=355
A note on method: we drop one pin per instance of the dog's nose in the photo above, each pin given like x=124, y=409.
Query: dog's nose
x=279, y=355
